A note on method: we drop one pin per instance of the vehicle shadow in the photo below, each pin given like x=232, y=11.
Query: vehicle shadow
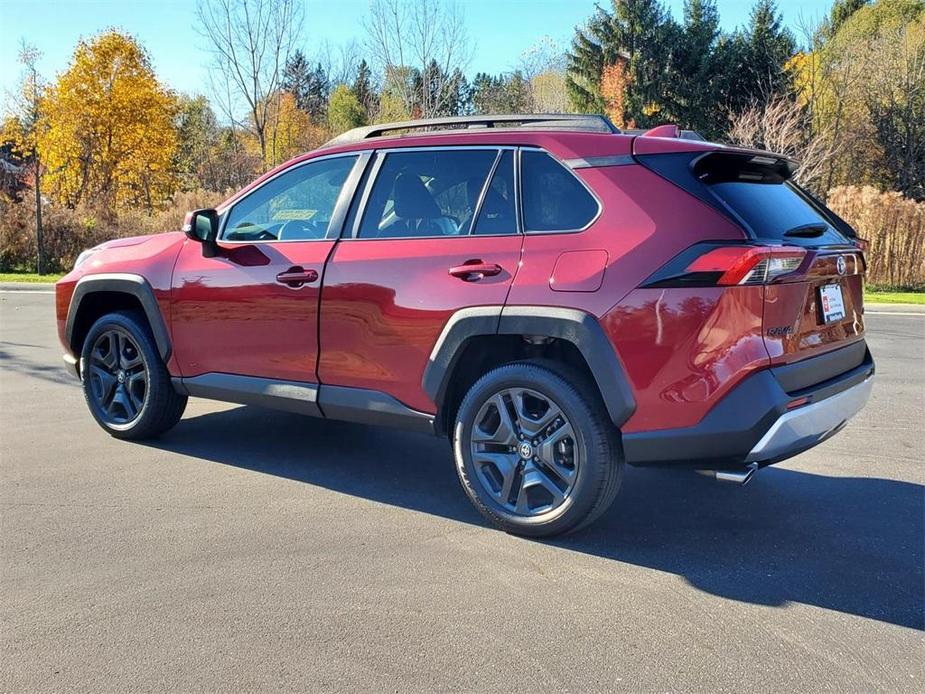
x=849, y=544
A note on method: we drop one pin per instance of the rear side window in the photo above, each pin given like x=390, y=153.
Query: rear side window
x=498, y=214
x=426, y=193
x=777, y=212
x=553, y=199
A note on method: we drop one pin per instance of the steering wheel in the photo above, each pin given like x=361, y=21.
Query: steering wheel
x=301, y=229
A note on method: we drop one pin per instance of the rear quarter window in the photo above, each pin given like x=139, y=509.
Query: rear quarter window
x=553, y=198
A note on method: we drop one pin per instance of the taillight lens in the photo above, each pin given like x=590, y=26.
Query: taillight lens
x=711, y=265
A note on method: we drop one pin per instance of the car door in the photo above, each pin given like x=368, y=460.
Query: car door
x=252, y=309
x=437, y=230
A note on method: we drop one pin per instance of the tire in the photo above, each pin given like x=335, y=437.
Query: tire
x=564, y=480
x=125, y=382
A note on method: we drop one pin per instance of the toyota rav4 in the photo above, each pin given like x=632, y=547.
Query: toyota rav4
x=558, y=298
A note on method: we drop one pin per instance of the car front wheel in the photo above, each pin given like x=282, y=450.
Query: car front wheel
x=535, y=450
x=125, y=382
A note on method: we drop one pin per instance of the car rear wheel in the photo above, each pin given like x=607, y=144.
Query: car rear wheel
x=125, y=382
x=535, y=449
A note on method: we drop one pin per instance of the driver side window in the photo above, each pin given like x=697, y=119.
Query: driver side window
x=295, y=206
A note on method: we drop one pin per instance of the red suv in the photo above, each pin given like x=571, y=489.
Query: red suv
x=557, y=297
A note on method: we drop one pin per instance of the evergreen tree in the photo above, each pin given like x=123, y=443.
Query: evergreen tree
x=363, y=88
x=641, y=32
x=501, y=94
x=693, y=90
x=316, y=97
x=839, y=14
x=309, y=86
x=296, y=77
x=757, y=74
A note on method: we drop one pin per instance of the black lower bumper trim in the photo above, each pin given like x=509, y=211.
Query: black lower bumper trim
x=724, y=438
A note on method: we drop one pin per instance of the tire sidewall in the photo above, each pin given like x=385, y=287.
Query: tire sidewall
x=145, y=343
x=583, y=494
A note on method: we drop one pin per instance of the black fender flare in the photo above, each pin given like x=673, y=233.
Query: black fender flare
x=572, y=325
x=123, y=283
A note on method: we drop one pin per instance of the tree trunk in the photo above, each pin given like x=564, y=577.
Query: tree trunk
x=39, y=250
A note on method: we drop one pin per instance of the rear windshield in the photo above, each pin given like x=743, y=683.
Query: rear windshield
x=773, y=209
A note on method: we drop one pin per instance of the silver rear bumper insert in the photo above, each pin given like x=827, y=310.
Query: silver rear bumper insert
x=805, y=426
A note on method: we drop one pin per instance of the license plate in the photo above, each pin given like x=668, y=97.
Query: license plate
x=833, y=305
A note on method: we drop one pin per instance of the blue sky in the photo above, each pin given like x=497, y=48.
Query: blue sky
x=501, y=29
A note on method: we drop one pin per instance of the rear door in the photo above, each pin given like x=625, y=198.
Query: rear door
x=435, y=230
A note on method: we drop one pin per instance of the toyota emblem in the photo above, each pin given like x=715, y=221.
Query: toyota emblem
x=841, y=265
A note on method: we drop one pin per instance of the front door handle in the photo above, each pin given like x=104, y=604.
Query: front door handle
x=297, y=276
x=474, y=270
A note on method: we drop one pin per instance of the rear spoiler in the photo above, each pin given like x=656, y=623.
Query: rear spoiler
x=742, y=165
x=669, y=130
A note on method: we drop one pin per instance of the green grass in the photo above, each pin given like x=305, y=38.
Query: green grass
x=877, y=296
x=28, y=277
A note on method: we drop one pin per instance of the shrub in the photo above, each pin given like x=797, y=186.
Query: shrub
x=895, y=227
x=67, y=232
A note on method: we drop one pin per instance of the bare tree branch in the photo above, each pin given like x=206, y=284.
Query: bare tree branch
x=250, y=41
x=781, y=126
x=407, y=39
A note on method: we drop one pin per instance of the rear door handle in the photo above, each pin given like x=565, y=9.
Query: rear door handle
x=474, y=270
x=297, y=276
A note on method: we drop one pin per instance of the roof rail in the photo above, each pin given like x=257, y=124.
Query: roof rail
x=551, y=121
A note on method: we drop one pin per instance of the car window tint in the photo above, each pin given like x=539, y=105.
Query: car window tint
x=294, y=206
x=498, y=213
x=426, y=193
x=553, y=199
x=773, y=209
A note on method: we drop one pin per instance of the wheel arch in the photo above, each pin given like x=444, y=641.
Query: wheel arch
x=97, y=295
x=477, y=339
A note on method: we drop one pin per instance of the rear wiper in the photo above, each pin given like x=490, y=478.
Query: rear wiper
x=807, y=231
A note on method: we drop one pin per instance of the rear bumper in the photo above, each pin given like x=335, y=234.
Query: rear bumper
x=804, y=427
x=772, y=415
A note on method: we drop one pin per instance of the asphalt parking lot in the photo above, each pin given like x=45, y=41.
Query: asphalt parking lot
x=255, y=550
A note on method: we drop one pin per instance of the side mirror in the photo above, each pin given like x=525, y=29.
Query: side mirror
x=202, y=226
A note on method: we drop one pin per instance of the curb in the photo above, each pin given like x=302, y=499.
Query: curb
x=894, y=308
x=27, y=286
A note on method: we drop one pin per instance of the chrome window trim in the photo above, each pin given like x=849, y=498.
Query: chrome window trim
x=362, y=157
x=374, y=175
x=565, y=167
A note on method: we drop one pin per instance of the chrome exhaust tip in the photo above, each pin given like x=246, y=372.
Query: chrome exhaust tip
x=739, y=477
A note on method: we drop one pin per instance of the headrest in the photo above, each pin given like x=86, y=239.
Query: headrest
x=412, y=199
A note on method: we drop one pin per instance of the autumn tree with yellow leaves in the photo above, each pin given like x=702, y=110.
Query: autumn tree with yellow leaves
x=107, y=134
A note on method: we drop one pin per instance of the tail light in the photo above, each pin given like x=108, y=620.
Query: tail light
x=712, y=265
